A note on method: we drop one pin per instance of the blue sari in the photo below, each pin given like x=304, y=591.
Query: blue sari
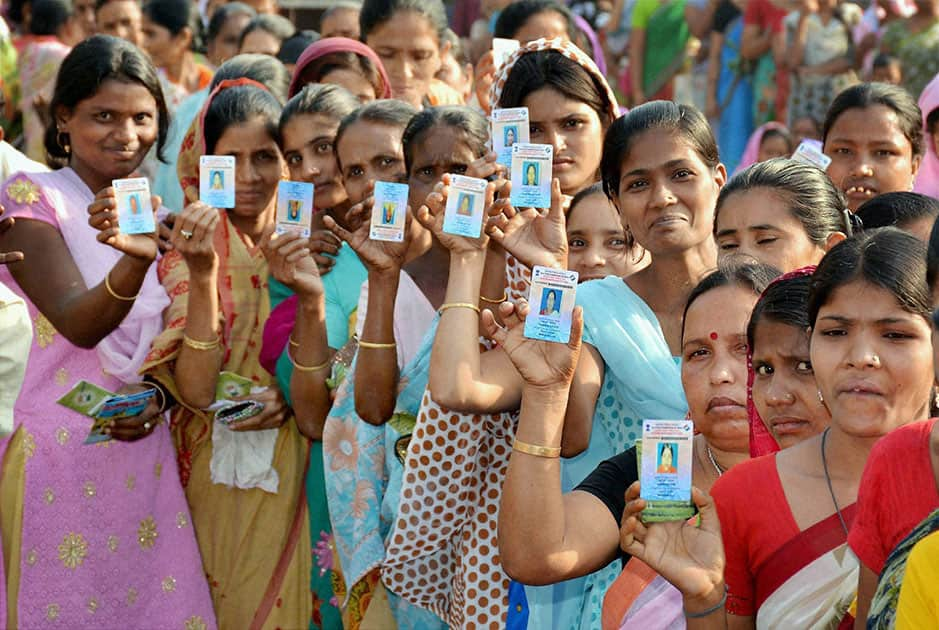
x=641, y=380
x=735, y=95
x=363, y=479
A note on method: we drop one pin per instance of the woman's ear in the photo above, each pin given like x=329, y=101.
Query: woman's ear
x=833, y=239
x=184, y=39
x=720, y=175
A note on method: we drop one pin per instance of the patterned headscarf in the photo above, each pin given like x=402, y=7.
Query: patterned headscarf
x=194, y=146
x=762, y=441
x=567, y=49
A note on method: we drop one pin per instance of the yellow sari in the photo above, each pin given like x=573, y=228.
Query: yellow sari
x=255, y=545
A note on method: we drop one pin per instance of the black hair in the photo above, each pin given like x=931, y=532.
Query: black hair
x=320, y=98
x=515, y=15
x=174, y=16
x=932, y=256
x=222, y=14
x=752, y=276
x=240, y=104
x=474, y=125
x=864, y=95
x=384, y=112
x=374, y=13
x=292, y=47
x=15, y=10
x=882, y=60
x=776, y=132
x=597, y=189
x=314, y=71
x=811, y=196
x=887, y=258
x=899, y=209
x=91, y=63
x=784, y=302
x=276, y=25
x=340, y=5
x=684, y=120
x=261, y=68
x=48, y=16
x=550, y=68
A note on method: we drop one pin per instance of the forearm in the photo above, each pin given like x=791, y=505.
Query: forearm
x=756, y=45
x=196, y=371
x=376, y=369
x=835, y=66
x=716, y=619
x=796, y=49
x=309, y=348
x=494, y=284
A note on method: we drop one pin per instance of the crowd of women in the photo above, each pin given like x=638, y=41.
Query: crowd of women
x=416, y=461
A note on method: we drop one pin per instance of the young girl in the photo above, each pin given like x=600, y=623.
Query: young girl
x=217, y=277
x=787, y=562
x=343, y=62
x=770, y=140
x=783, y=401
x=408, y=36
x=91, y=534
x=874, y=137
x=660, y=165
x=396, y=321
x=782, y=213
x=597, y=245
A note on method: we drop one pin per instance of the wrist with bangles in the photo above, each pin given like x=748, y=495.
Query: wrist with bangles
x=305, y=368
x=710, y=610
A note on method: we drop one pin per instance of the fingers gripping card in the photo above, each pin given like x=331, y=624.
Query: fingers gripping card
x=531, y=175
x=665, y=469
x=294, y=208
x=465, y=206
x=508, y=128
x=134, y=209
x=389, y=211
x=217, y=180
x=552, y=296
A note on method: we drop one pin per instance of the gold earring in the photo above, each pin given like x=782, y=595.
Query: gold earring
x=65, y=146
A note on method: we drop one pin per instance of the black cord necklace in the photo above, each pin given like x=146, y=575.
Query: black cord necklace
x=831, y=490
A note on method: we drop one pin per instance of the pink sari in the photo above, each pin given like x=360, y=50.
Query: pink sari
x=98, y=535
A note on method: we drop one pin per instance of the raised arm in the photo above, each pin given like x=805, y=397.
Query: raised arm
x=376, y=369
x=200, y=355
x=292, y=263
x=544, y=536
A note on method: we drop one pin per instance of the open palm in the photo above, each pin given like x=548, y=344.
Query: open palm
x=432, y=214
x=532, y=237
x=540, y=363
x=375, y=255
x=291, y=262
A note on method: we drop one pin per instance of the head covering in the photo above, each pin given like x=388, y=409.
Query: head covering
x=762, y=441
x=193, y=147
x=333, y=45
x=595, y=48
x=567, y=49
x=751, y=153
x=927, y=177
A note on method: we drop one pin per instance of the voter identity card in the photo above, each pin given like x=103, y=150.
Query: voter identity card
x=665, y=459
x=509, y=127
x=531, y=175
x=810, y=152
x=551, y=301
x=465, y=206
x=134, y=210
x=501, y=49
x=294, y=208
x=217, y=180
x=388, y=213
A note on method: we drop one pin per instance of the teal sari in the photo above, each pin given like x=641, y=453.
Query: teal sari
x=641, y=380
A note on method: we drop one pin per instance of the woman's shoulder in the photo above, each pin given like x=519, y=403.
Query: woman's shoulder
x=894, y=449
x=750, y=478
x=25, y=194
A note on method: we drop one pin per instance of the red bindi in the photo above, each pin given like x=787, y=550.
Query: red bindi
x=713, y=336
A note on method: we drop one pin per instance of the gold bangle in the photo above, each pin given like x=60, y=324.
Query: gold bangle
x=295, y=344
x=377, y=346
x=550, y=452
x=311, y=368
x=195, y=344
x=107, y=285
x=504, y=298
x=444, y=307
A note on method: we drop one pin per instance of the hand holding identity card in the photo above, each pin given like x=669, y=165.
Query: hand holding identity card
x=103, y=406
x=294, y=208
x=388, y=213
x=531, y=175
x=217, y=180
x=665, y=456
x=810, y=152
x=551, y=301
x=464, y=213
x=509, y=127
x=501, y=49
x=134, y=209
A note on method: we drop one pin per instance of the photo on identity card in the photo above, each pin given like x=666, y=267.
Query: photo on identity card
x=531, y=175
x=389, y=212
x=665, y=461
x=134, y=209
x=217, y=180
x=294, y=208
x=551, y=302
x=464, y=212
x=509, y=127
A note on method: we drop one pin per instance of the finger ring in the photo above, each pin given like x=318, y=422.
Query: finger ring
x=186, y=234
x=146, y=426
